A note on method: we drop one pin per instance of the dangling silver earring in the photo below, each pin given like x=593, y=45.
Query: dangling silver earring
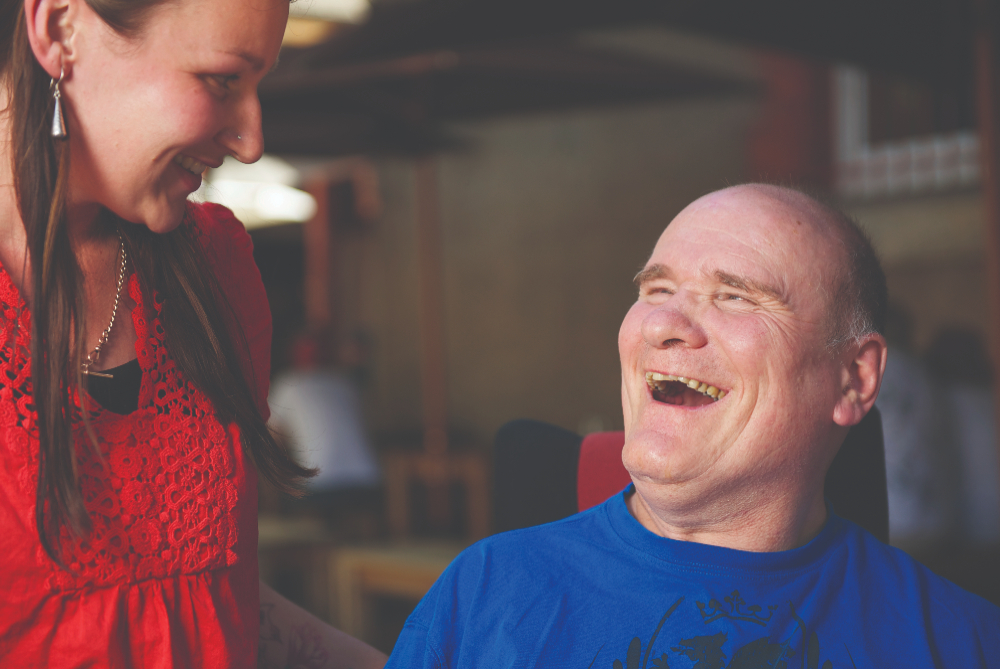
x=58, y=122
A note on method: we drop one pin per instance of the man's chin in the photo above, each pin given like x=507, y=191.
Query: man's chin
x=653, y=457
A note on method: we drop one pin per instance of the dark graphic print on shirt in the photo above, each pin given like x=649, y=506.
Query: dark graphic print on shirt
x=800, y=649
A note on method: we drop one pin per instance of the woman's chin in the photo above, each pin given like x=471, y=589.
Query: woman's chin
x=160, y=220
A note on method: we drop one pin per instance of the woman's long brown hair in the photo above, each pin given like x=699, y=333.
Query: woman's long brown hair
x=193, y=302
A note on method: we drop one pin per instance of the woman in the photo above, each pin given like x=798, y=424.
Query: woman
x=135, y=343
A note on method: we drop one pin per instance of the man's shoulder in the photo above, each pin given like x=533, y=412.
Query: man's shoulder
x=896, y=575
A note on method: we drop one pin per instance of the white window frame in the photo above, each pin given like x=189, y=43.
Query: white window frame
x=915, y=166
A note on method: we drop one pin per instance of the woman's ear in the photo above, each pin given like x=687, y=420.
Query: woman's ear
x=861, y=377
x=50, y=32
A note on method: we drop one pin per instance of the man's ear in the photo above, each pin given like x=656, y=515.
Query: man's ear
x=861, y=377
x=50, y=32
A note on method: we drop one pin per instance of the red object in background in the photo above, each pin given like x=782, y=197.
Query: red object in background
x=600, y=472
x=792, y=140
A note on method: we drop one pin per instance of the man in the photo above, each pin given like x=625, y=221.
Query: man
x=753, y=346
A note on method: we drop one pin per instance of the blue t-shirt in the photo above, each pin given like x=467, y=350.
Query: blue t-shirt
x=598, y=590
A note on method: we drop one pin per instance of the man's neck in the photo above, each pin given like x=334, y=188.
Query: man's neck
x=748, y=526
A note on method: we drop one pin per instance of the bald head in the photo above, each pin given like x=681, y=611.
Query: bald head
x=733, y=399
x=858, y=297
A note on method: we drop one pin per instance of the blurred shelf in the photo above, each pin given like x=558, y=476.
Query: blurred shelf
x=275, y=531
x=403, y=570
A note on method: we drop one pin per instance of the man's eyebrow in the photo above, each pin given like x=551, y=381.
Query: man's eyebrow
x=651, y=273
x=749, y=285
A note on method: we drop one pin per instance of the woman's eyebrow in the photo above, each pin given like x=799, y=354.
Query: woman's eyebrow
x=255, y=62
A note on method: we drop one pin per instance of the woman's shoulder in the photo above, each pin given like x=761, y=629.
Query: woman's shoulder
x=223, y=237
x=229, y=252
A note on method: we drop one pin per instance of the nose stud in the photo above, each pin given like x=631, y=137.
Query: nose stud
x=240, y=137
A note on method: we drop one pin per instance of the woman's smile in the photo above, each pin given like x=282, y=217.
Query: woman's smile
x=167, y=101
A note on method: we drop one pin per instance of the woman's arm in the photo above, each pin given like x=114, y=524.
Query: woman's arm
x=292, y=638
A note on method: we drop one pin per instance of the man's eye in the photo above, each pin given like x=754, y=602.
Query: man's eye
x=734, y=297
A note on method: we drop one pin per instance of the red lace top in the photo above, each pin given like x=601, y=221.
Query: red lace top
x=168, y=576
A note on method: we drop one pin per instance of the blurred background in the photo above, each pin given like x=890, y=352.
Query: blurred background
x=457, y=194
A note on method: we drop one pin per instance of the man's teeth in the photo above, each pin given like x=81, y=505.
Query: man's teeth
x=190, y=164
x=657, y=381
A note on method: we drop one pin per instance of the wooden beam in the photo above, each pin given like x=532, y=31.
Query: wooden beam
x=317, y=251
x=404, y=67
x=987, y=100
x=433, y=371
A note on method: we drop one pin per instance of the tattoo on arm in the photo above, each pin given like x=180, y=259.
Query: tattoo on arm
x=270, y=637
x=306, y=648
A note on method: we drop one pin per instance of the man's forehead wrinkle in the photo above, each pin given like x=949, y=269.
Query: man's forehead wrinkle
x=754, y=238
x=756, y=250
x=800, y=218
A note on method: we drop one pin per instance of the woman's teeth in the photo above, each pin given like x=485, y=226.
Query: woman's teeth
x=658, y=382
x=191, y=165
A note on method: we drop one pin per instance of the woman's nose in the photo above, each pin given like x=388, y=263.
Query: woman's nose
x=244, y=138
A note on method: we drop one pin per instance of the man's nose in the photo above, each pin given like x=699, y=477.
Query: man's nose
x=673, y=323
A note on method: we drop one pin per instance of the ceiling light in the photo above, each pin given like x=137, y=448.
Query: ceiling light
x=301, y=33
x=339, y=11
x=259, y=194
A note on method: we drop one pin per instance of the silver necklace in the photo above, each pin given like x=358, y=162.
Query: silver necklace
x=95, y=355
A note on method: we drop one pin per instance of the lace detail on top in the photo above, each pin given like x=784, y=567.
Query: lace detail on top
x=161, y=494
x=17, y=412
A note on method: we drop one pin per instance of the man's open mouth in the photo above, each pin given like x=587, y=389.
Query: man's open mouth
x=682, y=391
